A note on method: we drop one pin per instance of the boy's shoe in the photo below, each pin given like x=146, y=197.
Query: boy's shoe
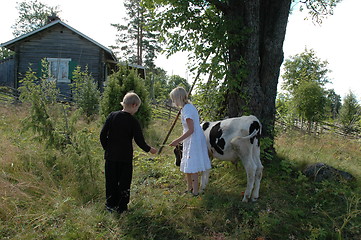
x=111, y=209
x=121, y=210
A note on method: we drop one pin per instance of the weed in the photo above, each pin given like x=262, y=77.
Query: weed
x=58, y=193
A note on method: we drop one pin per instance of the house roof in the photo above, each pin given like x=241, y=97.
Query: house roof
x=11, y=43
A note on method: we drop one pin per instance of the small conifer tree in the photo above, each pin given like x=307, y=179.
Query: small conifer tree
x=85, y=91
x=120, y=83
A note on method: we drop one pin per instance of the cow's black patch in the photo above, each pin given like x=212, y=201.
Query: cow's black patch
x=221, y=142
x=215, y=138
x=205, y=126
x=255, y=126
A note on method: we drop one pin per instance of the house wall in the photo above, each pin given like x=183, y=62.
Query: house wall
x=60, y=42
x=7, y=74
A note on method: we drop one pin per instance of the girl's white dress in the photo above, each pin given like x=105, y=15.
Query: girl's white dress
x=195, y=154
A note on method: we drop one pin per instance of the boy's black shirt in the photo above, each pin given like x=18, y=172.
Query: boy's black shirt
x=116, y=136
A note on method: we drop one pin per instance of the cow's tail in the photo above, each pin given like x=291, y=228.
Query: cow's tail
x=254, y=133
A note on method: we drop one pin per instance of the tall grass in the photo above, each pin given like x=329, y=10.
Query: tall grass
x=46, y=193
x=339, y=152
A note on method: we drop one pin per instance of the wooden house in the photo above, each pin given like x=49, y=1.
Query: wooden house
x=64, y=48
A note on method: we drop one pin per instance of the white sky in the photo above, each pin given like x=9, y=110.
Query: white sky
x=337, y=40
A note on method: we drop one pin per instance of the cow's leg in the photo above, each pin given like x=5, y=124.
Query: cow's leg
x=243, y=149
x=204, y=179
x=259, y=170
x=250, y=168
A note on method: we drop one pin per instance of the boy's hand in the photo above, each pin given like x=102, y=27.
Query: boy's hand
x=153, y=150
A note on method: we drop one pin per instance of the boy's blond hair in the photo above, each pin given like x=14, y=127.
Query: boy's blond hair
x=179, y=96
x=131, y=98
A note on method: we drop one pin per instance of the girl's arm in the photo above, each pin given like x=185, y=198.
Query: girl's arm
x=190, y=125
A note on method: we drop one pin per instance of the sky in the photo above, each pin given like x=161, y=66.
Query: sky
x=337, y=40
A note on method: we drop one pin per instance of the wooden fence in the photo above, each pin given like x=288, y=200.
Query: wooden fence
x=319, y=128
x=164, y=111
x=9, y=95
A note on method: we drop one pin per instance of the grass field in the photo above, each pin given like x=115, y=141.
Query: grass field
x=48, y=193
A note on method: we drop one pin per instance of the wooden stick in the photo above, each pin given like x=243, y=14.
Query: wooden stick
x=179, y=112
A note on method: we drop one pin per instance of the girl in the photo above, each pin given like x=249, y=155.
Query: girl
x=195, y=155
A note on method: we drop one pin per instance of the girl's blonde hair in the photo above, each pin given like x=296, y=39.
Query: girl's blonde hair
x=131, y=98
x=179, y=96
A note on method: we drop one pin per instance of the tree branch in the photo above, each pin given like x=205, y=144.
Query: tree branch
x=219, y=5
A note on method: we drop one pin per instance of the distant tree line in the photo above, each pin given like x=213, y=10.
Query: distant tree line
x=305, y=98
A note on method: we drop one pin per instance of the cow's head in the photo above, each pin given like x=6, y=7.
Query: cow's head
x=178, y=152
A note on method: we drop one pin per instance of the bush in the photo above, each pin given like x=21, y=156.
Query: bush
x=41, y=94
x=85, y=92
x=209, y=100
x=120, y=83
x=350, y=114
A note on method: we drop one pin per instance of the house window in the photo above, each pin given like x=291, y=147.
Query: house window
x=59, y=69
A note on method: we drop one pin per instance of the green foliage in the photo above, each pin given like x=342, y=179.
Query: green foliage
x=286, y=110
x=55, y=125
x=350, y=113
x=41, y=94
x=176, y=81
x=310, y=101
x=196, y=27
x=266, y=144
x=52, y=187
x=352, y=211
x=302, y=68
x=209, y=100
x=111, y=97
x=85, y=92
x=306, y=99
x=5, y=53
x=318, y=9
x=82, y=157
x=160, y=85
x=333, y=104
x=200, y=28
x=137, y=40
x=120, y=83
x=33, y=14
x=156, y=82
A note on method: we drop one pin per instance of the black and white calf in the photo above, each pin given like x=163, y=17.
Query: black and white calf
x=236, y=139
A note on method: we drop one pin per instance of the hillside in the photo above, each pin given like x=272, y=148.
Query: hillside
x=58, y=193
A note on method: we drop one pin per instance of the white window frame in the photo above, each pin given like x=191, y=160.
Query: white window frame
x=59, y=69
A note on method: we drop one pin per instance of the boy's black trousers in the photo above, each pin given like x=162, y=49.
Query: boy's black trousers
x=118, y=178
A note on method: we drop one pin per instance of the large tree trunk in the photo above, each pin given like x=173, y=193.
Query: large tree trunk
x=255, y=62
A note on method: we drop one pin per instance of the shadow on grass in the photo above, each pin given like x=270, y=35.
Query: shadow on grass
x=142, y=223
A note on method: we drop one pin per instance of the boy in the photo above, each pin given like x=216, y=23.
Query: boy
x=116, y=136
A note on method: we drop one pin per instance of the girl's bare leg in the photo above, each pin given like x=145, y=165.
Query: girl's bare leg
x=189, y=182
x=194, y=177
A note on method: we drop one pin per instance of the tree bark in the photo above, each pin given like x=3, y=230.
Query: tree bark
x=255, y=61
x=274, y=19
